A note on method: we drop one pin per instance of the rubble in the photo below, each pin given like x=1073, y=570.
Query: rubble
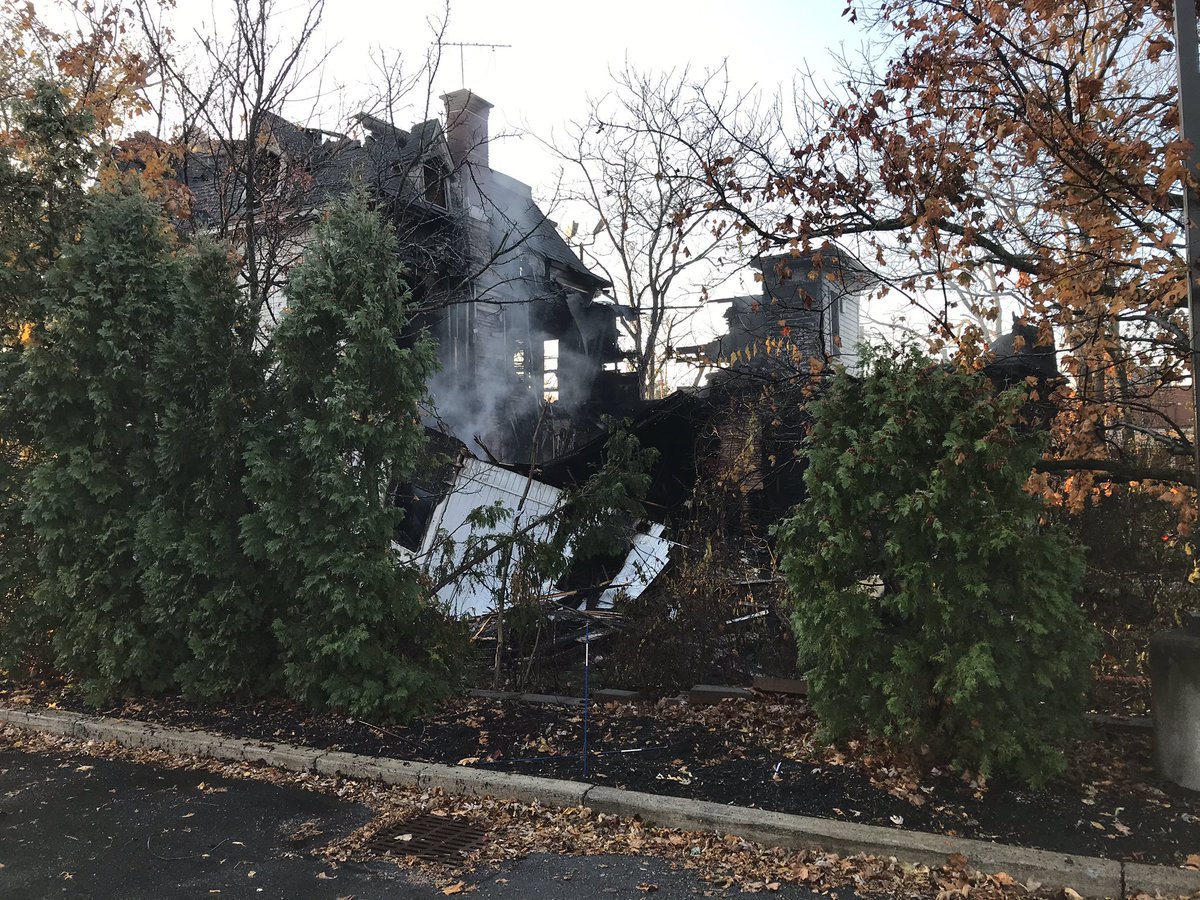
x=515, y=503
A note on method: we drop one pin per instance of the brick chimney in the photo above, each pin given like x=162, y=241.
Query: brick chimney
x=467, y=128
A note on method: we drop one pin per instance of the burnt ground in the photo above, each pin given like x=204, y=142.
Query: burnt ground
x=748, y=753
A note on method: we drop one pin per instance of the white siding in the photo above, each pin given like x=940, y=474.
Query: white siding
x=480, y=484
x=850, y=331
x=646, y=559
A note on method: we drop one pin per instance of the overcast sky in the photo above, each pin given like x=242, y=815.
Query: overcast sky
x=561, y=53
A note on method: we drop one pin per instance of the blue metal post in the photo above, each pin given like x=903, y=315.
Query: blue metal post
x=587, y=699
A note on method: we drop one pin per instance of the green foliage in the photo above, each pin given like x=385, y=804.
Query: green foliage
x=598, y=517
x=195, y=512
x=210, y=603
x=85, y=387
x=41, y=183
x=933, y=604
x=355, y=632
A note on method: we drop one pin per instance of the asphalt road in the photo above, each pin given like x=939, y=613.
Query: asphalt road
x=91, y=828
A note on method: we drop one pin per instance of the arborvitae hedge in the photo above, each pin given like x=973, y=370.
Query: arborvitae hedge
x=41, y=204
x=197, y=511
x=209, y=600
x=85, y=386
x=933, y=603
x=355, y=632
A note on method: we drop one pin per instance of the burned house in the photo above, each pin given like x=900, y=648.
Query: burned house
x=530, y=350
x=518, y=318
x=528, y=343
x=751, y=417
x=808, y=310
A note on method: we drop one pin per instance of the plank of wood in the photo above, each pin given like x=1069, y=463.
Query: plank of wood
x=710, y=694
x=771, y=685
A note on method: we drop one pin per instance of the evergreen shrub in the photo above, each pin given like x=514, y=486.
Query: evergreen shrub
x=934, y=604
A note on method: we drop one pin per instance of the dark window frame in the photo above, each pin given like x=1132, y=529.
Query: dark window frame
x=433, y=176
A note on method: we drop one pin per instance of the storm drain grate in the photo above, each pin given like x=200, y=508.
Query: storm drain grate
x=429, y=837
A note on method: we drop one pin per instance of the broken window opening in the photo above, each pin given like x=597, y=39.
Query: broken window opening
x=550, y=371
x=521, y=360
x=435, y=184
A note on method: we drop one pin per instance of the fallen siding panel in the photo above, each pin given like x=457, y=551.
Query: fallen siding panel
x=480, y=484
x=646, y=559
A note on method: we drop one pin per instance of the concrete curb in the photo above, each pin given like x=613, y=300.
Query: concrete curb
x=1090, y=876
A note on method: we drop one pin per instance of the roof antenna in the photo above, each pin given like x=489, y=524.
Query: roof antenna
x=462, y=69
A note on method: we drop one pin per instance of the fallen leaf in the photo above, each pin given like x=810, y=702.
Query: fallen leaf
x=956, y=861
x=647, y=888
x=459, y=887
x=1070, y=894
x=1193, y=860
x=897, y=820
x=468, y=761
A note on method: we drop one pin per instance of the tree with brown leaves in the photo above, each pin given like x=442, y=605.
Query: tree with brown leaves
x=1035, y=141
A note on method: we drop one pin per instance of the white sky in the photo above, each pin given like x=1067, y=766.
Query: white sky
x=562, y=53
x=559, y=55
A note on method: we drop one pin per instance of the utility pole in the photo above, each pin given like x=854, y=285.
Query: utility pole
x=1188, y=56
x=462, y=67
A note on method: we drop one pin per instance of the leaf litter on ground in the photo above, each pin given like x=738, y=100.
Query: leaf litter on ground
x=517, y=829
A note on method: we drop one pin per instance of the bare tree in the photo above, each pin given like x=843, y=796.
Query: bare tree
x=222, y=105
x=641, y=162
